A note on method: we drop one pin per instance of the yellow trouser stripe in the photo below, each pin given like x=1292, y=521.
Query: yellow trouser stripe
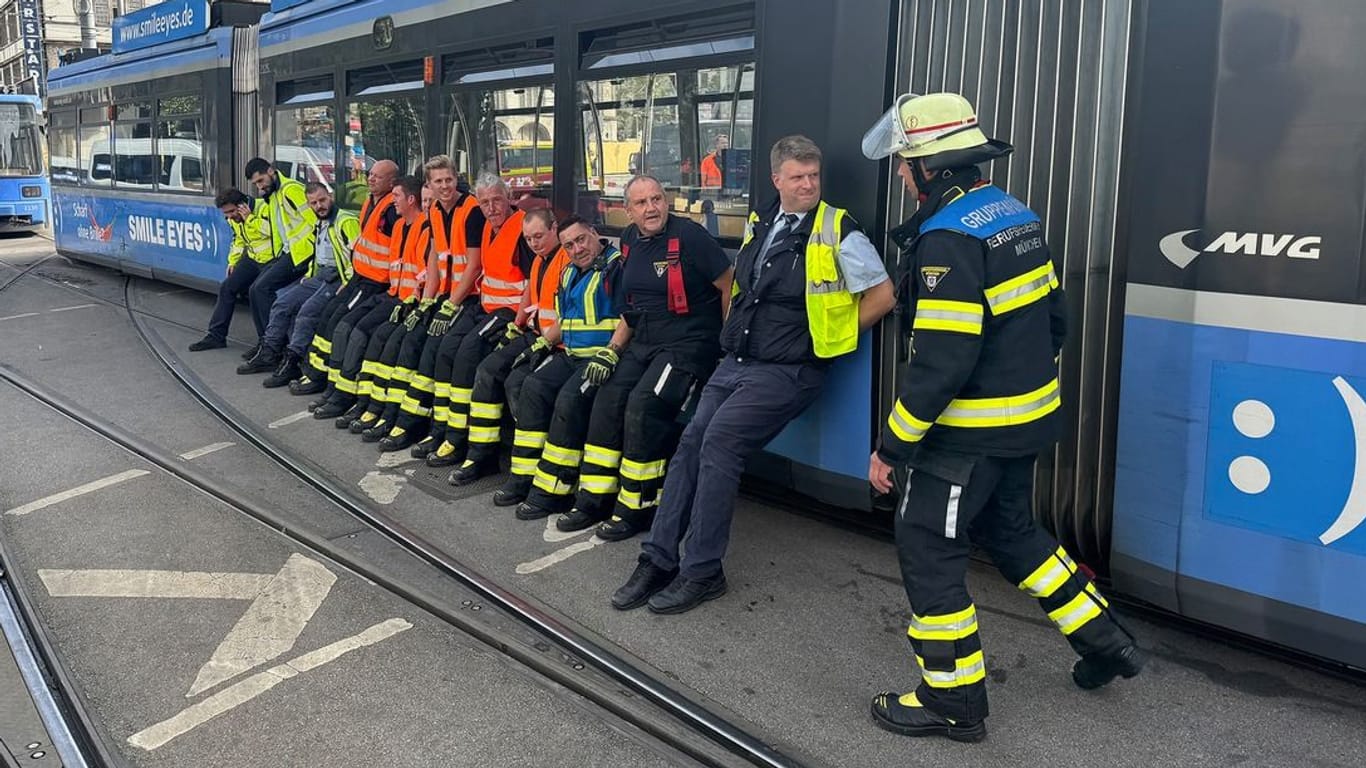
x=1074, y=614
x=599, y=484
x=603, y=457
x=399, y=373
x=461, y=394
x=1047, y=578
x=316, y=360
x=422, y=383
x=642, y=471
x=524, y=465
x=953, y=626
x=632, y=500
x=323, y=344
x=967, y=670
x=486, y=410
x=551, y=484
x=442, y=389
x=346, y=385
x=565, y=457
x=483, y=434
x=525, y=439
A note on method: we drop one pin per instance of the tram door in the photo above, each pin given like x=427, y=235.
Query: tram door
x=507, y=130
x=1240, y=490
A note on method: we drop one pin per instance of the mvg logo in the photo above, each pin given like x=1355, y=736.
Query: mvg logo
x=1176, y=251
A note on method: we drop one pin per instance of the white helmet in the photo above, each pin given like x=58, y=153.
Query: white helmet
x=934, y=124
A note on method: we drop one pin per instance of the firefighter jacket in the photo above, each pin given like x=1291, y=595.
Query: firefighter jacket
x=588, y=313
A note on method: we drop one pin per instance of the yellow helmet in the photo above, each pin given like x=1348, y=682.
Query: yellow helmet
x=923, y=126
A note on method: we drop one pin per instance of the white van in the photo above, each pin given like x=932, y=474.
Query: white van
x=178, y=165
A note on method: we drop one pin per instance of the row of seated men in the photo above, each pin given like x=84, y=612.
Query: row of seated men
x=420, y=324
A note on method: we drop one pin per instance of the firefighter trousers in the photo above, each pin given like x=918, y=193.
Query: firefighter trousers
x=473, y=348
x=416, y=408
x=350, y=341
x=317, y=365
x=936, y=523
x=488, y=398
x=403, y=365
x=553, y=411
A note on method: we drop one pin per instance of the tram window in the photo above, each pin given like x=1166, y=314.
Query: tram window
x=61, y=147
x=724, y=103
x=391, y=129
x=629, y=126
x=305, y=144
x=97, y=168
x=180, y=142
x=508, y=131
x=135, y=165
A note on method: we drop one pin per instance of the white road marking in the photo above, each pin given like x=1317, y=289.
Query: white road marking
x=290, y=419
x=16, y=317
x=167, y=584
x=80, y=490
x=168, y=293
x=558, y=556
x=555, y=535
x=382, y=487
x=393, y=459
x=205, y=451
x=240, y=693
x=68, y=309
x=271, y=624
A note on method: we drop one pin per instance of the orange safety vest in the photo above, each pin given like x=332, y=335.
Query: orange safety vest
x=711, y=171
x=371, y=254
x=448, y=238
x=412, y=242
x=503, y=281
x=545, y=285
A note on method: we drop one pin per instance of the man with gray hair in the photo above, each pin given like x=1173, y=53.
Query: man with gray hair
x=807, y=284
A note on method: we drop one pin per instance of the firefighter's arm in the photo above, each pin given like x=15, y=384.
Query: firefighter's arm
x=1057, y=319
x=474, y=267
x=433, y=274
x=524, y=307
x=948, y=338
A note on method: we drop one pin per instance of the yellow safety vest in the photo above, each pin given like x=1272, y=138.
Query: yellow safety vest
x=288, y=207
x=251, y=237
x=343, y=232
x=831, y=310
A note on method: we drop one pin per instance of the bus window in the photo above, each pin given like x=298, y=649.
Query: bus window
x=507, y=131
x=391, y=129
x=305, y=143
x=630, y=125
x=20, y=153
x=97, y=166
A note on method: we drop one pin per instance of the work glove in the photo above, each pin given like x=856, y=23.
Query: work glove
x=414, y=316
x=534, y=354
x=426, y=304
x=512, y=333
x=600, y=367
x=397, y=314
x=445, y=317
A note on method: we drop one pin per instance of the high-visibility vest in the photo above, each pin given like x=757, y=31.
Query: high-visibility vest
x=503, y=281
x=292, y=221
x=588, y=316
x=448, y=240
x=411, y=243
x=831, y=310
x=370, y=256
x=342, y=235
x=251, y=237
x=545, y=283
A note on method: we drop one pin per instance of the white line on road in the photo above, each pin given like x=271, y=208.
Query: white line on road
x=240, y=693
x=205, y=451
x=174, y=291
x=272, y=623
x=80, y=490
x=555, y=535
x=68, y=309
x=169, y=584
x=290, y=419
x=16, y=317
x=558, y=556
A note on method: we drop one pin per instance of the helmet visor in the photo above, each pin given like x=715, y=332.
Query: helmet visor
x=887, y=135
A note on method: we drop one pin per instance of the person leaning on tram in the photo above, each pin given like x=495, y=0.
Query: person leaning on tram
x=980, y=400
x=248, y=252
x=535, y=315
x=370, y=264
x=807, y=282
x=291, y=228
x=295, y=314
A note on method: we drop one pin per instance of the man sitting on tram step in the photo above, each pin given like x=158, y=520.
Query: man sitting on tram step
x=291, y=228
x=505, y=260
x=295, y=314
x=807, y=283
x=250, y=224
x=457, y=227
x=673, y=292
x=370, y=262
x=385, y=311
x=551, y=394
x=494, y=382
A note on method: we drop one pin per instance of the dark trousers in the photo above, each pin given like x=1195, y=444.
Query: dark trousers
x=349, y=341
x=372, y=383
x=474, y=346
x=237, y=283
x=428, y=395
x=486, y=403
x=743, y=406
x=348, y=297
x=403, y=369
x=277, y=274
x=552, y=421
x=935, y=525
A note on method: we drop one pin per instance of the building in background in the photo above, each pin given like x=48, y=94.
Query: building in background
x=34, y=34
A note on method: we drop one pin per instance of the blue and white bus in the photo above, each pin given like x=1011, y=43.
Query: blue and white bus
x=23, y=179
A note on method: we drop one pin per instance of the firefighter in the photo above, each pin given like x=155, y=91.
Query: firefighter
x=505, y=261
x=291, y=228
x=536, y=314
x=457, y=228
x=674, y=288
x=294, y=316
x=370, y=265
x=980, y=400
x=807, y=283
x=553, y=390
x=249, y=251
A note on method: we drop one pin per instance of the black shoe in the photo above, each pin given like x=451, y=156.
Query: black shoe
x=287, y=371
x=330, y=410
x=619, y=528
x=396, y=439
x=377, y=431
x=685, y=594
x=1097, y=669
x=422, y=447
x=344, y=419
x=890, y=714
x=513, y=492
x=250, y=353
x=359, y=424
x=261, y=362
x=208, y=342
x=645, y=581
x=446, y=455
x=576, y=520
x=305, y=385
x=471, y=471
x=526, y=511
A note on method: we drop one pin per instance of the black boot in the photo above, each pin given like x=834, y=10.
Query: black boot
x=1097, y=669
x=307, y=385
x=578, y=519
x=208, y=342
x=620, y=528
x=514, y=491
x=645, y=581
x=447, y=454
x=364, y=421
x=250, y=353
x=266, y=359
x=423, y=447
x=471, y=471
x=913, y=719
x=343, y=420
x=285, y=372
x=397, y=439
x=331, y=409
x=685, y=594
x=378, y=430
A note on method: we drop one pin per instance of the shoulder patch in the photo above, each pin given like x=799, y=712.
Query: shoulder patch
x=933, y=276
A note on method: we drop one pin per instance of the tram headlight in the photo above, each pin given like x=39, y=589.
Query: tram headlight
x=32, y=191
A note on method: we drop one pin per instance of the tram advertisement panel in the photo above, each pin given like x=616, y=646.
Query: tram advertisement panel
x=191, y=238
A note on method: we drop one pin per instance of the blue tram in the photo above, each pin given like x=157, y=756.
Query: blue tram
x=23, y=176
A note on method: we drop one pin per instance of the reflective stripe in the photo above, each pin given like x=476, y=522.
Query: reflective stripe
x=601, y=485
x=486, y=410
x=457, y=420
x=1047, y=578
x=524, y=465
x=363, y=388
x=345, y=385
x=642, y=471
x=442, y=389
x=546, y=314
x=524, y=439
x=440, y=414
x=323, y=344
x=506, y=285
x=1022, y=290
x=951, y=513
x=632, y=500
x=952, y=626
x=414, y=408
x=603, y=457
x=484, y=434
x=968, y=670
x=461, y=394
x=422, y=383
x=565, y=457
x=401, y=374
x=552, y=484
x=905, y=426
x=317, y=361
x=955, y=316
x=500, y=301
x=1002, y=411
x=1076, y=612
